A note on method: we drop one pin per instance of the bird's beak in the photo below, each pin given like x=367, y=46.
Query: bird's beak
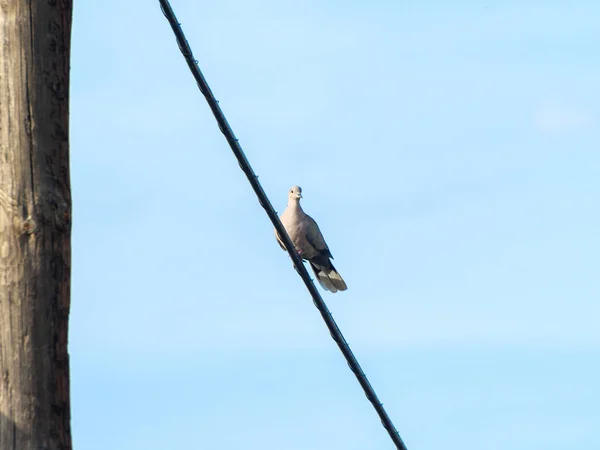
x=299, y=195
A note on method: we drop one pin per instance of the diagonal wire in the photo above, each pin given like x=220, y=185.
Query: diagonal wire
x=336, y=334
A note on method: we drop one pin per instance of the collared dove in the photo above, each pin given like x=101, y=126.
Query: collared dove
x=308, y=240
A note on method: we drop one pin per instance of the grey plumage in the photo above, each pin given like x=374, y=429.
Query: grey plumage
x=309, y=242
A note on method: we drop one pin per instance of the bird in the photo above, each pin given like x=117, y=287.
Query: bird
x=309, y=242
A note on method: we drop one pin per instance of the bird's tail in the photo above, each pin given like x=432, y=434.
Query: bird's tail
x=329, y=278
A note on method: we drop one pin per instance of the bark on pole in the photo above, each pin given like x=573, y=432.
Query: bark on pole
x=35, y=224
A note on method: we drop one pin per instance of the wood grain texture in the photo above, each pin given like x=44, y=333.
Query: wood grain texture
x=35, y=224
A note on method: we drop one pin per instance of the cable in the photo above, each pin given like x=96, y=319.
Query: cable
x=336, y=334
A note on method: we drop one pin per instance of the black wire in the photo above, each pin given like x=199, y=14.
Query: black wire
x=336, y=334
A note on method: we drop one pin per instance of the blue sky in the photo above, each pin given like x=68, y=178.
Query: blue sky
x=449, y=152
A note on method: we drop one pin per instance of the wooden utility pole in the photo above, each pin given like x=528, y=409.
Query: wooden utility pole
x=35, y=224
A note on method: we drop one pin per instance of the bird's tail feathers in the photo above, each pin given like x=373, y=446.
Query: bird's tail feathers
x=329, y=278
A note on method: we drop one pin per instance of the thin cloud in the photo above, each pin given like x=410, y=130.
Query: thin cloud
x=554, y=119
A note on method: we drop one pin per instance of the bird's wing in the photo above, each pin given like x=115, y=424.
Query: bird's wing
x=279, y=240
x=315, y=237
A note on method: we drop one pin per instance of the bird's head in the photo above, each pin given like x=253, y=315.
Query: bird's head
x=295, y=193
